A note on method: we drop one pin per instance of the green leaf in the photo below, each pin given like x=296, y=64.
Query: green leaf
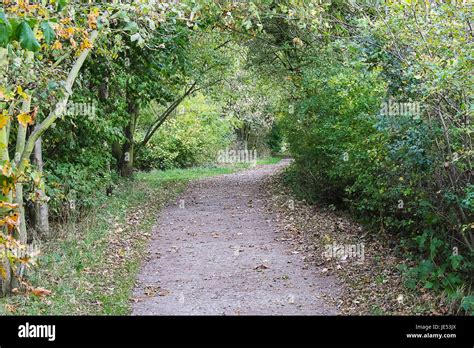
x=4, y=19
x=455, y=261
x=5, y=29
x=27, y=38
x=467, y=303
x=61, y=4
x=132, y=27
x=48, y=32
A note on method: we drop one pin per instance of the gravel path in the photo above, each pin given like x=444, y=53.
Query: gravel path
x=216, y=251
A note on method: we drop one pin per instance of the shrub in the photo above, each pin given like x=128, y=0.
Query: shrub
x=192, y=137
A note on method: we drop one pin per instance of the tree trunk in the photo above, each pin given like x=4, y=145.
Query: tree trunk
x=117, y=154
x=5, y=283
x=41, y=213
x=20, y=146
x=20, y=235
x=129, y=145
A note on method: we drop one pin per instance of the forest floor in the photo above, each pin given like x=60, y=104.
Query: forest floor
x=218, y=250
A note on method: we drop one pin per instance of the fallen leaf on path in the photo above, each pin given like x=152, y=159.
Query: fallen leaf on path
x=261, y=266
x=163, y=292
x=151, y=291
x=10, y=308
x=40, y=291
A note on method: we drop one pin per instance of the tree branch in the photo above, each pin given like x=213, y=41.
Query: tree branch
x=60, y=106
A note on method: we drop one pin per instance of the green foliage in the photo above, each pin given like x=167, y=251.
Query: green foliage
x=275, y=138
x=71, y=186
x=330, y=125
x=467, y=304
x=192, y=137
x=48, y=32
x=27, y=38
x=440, y=268
x=408, y=174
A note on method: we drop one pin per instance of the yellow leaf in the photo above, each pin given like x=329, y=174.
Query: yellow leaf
x=5, y=187
x=3, y=272
x=13, y=220
x=86, y=44
x=25, y=119
x=7, y=169
x=8, y=205
x=57, y=45
x=4, y=118
x=10, y=220
x=20, y=92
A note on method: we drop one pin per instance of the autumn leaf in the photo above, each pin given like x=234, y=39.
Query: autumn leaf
x=5, y=187
x=8, y=205
x=86, y=44
x=13, y=220
x=40, y=292
x=151, y=291
x=92, y=18
x=10, y=308
x=34, y=113
x=57, y=45
x=25, y=119
x=163, y=292
x=297, y=41
x=19, y=91
x=10, y=221
x=6, y=168
x=4, y=118
x=261, y=267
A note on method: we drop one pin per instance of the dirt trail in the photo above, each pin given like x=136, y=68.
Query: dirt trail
x=218, y=252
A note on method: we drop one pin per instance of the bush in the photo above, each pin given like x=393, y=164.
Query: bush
x=331, y=125
x=275, y=138
x=71, y=186
x=192, y=137
x=387, y=169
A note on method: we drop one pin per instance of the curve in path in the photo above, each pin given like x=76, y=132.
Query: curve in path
x=218, y=252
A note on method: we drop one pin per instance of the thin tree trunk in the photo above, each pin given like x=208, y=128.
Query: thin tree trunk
x=41, y=207
x=20, y=146
x=5, y=263
x=20, y=235
x=129, y=145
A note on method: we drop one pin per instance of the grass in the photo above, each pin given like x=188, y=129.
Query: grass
x=269, y=160
x=92, y=268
